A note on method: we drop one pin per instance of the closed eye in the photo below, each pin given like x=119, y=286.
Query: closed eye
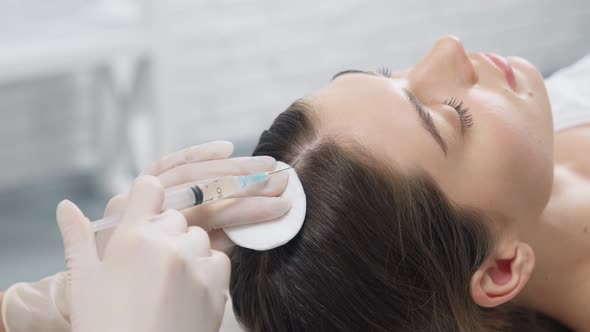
x=463, y=111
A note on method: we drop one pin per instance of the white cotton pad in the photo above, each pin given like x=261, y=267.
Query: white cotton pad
x=274, y=233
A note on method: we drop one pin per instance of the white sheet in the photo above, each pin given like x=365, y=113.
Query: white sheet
x=569, y=93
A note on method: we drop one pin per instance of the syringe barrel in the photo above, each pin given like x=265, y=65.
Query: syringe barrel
x=220, y=188
x=177, y=199
x=187, y=197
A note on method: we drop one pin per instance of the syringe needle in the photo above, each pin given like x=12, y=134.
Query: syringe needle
x=279, y=170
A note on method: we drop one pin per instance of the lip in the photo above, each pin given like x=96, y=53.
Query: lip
x=504, y=67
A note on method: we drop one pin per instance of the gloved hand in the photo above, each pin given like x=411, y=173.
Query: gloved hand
x=42, y=305
x=183, y=168
x=156, y=274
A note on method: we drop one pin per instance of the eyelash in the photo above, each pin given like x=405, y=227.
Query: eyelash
x=464, y=114
x=462, y=110
x=384, y=70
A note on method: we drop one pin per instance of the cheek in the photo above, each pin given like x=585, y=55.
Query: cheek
x=518, y=138
x=517, y=164
x=508, y=157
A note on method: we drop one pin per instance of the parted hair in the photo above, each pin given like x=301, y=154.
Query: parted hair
x=378, y=251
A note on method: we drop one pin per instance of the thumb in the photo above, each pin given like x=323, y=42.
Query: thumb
x=77, y=234
x=145, y=200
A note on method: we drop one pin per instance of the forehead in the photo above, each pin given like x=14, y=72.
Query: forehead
x=356, y=97
x=376, y=113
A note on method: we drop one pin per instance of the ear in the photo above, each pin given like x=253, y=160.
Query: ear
x=503, y=275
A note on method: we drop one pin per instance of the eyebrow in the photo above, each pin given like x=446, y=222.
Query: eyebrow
x=423, y=113
x=427, y=120
x=353, y=71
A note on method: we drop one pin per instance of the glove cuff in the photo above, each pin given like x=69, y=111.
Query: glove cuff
x=36, y=307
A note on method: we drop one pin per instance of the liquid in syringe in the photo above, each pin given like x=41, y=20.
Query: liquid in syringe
x=217, y=189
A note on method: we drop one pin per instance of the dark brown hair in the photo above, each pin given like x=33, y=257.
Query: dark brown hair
x=378, y=251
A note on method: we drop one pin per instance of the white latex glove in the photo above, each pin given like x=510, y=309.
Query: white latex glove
x=156, y=274
x=42, y=305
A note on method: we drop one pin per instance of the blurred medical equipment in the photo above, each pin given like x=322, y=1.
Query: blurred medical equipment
x=274, y=233
x=221, y=188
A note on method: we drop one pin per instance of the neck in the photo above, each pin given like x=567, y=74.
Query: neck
x=561, y=241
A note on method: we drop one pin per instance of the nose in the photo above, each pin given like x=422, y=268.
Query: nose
x=445, y=63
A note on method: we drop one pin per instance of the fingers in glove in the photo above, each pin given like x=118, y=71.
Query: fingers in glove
x=198, y=153
x=271, y=187
x=236, y=211
x=145, y=200
x=217, y=267
x=115, y=205
x=196, y=242
x=102, y=239
x=216, y=168
x=220, y=241
x=77, y=234
x=170, y=222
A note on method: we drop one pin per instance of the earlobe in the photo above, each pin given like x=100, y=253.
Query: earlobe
x=503, y=275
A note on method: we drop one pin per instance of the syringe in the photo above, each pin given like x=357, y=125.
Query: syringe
x=220, y=188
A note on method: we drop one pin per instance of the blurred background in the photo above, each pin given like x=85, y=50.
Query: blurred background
x=92, y=90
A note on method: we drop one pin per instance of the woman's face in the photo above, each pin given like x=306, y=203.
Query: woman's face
x=497, y=156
